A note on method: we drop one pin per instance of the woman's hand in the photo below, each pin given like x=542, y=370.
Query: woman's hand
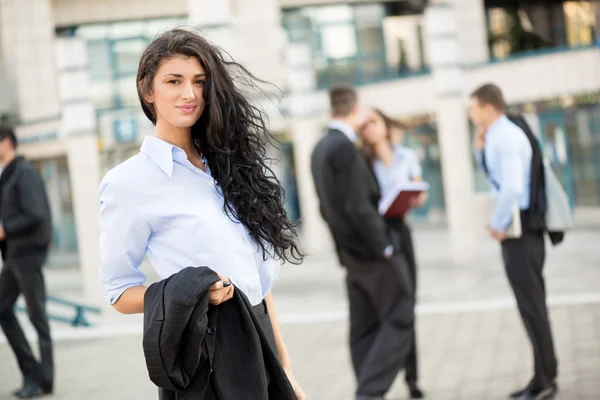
x=297, y=389
x=221, y=291
x=418, y=201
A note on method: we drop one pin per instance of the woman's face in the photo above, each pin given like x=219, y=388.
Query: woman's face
x=374, y=131
x=177, y=92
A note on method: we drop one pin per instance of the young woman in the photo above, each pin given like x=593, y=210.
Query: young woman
x=393, y=163
x=200, y=192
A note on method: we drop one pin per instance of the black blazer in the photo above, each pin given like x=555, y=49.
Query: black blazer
x=24, y=214
x=349, y=196
x=187, y=342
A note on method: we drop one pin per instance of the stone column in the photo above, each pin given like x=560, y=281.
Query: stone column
x=471, y=31
x=453, y=132
x=78, y=130
x=27, y=42
x=315, y=233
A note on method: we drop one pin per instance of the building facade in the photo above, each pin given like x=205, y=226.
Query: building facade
x=67, y=75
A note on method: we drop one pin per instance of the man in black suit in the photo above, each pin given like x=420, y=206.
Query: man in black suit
x=379, y=291
x=25, y=231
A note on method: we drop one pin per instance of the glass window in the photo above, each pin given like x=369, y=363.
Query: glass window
x=299, y=27
x=579, y=21
x=338, y=71
x=370, y=40
x=346, y=40
x=373, y=69
x=92, y=32
x=157, y=26
x=369, y=15
x=124, y=30
x=127, y=55
x=127, y=91
x=99, y=60
x=331, y=14
x=339, y=41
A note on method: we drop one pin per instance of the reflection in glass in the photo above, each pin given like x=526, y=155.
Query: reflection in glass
x=339, y=41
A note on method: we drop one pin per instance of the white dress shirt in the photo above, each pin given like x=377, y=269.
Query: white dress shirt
x=159, y=205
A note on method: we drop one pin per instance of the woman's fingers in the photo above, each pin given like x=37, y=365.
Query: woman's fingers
x=220, y=292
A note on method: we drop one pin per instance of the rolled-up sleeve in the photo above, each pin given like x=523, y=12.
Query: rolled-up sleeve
x=124, y=237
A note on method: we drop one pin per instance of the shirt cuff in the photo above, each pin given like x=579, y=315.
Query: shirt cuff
x=388, y=251
x=496, y=226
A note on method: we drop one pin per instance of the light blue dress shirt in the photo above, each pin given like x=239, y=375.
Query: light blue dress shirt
x=404, y=168
x=345, y=129
x=159, y=205
x=508, y=159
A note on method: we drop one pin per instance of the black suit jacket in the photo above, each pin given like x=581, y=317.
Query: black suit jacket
x=187, y=343
x=349, y=196
x=24, y=214
x=534, y=218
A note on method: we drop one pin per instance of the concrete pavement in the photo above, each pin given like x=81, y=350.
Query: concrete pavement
x=471, y=340
x=463, y=356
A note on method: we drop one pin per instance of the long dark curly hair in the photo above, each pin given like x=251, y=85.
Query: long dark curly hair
x=232, y=135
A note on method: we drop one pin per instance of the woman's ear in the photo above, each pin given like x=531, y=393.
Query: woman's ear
x=149, y=98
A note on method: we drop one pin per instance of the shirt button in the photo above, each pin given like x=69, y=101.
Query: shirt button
x=211, y=330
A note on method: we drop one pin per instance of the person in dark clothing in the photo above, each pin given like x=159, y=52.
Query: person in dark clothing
x=378, y=285
x=25, y=233
x=394, y=164
x=505, y=154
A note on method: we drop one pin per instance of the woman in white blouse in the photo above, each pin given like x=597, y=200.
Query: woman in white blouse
x=393, y=164
x=200, y=192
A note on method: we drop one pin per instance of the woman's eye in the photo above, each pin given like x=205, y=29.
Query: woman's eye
x=201, y=83
x=173, y=82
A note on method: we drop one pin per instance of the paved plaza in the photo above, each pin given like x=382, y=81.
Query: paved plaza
x=472, y=345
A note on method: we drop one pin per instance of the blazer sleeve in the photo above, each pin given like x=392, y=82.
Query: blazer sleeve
x=34, y=210
x=350, y=169
x=176, y=324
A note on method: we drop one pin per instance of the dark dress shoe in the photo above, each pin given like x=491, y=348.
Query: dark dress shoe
x=31, y=390
x=415, y=391
x=530, y=394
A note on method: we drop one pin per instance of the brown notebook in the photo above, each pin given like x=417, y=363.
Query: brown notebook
x=397, y=203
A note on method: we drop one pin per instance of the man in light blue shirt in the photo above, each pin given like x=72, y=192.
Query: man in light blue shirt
x=504, y=153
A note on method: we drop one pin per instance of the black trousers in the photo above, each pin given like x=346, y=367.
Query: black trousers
x=262, y=313
x=524, y=262
x=411, y=373
x=28, y=281
x=381, y=320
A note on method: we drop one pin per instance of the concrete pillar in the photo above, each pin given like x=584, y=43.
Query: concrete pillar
x=78, y=130
x=446, y=62
x=316, y=237
x=27, y=35
x=471, y=31
x=84, y=170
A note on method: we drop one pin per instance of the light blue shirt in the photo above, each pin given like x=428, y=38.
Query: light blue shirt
x=345, y=129
x=404, y=168
x=159, y=205
x=508, y=159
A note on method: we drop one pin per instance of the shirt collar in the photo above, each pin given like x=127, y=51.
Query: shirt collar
x=345, y=129
x=496, y=125
x=160, y=152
